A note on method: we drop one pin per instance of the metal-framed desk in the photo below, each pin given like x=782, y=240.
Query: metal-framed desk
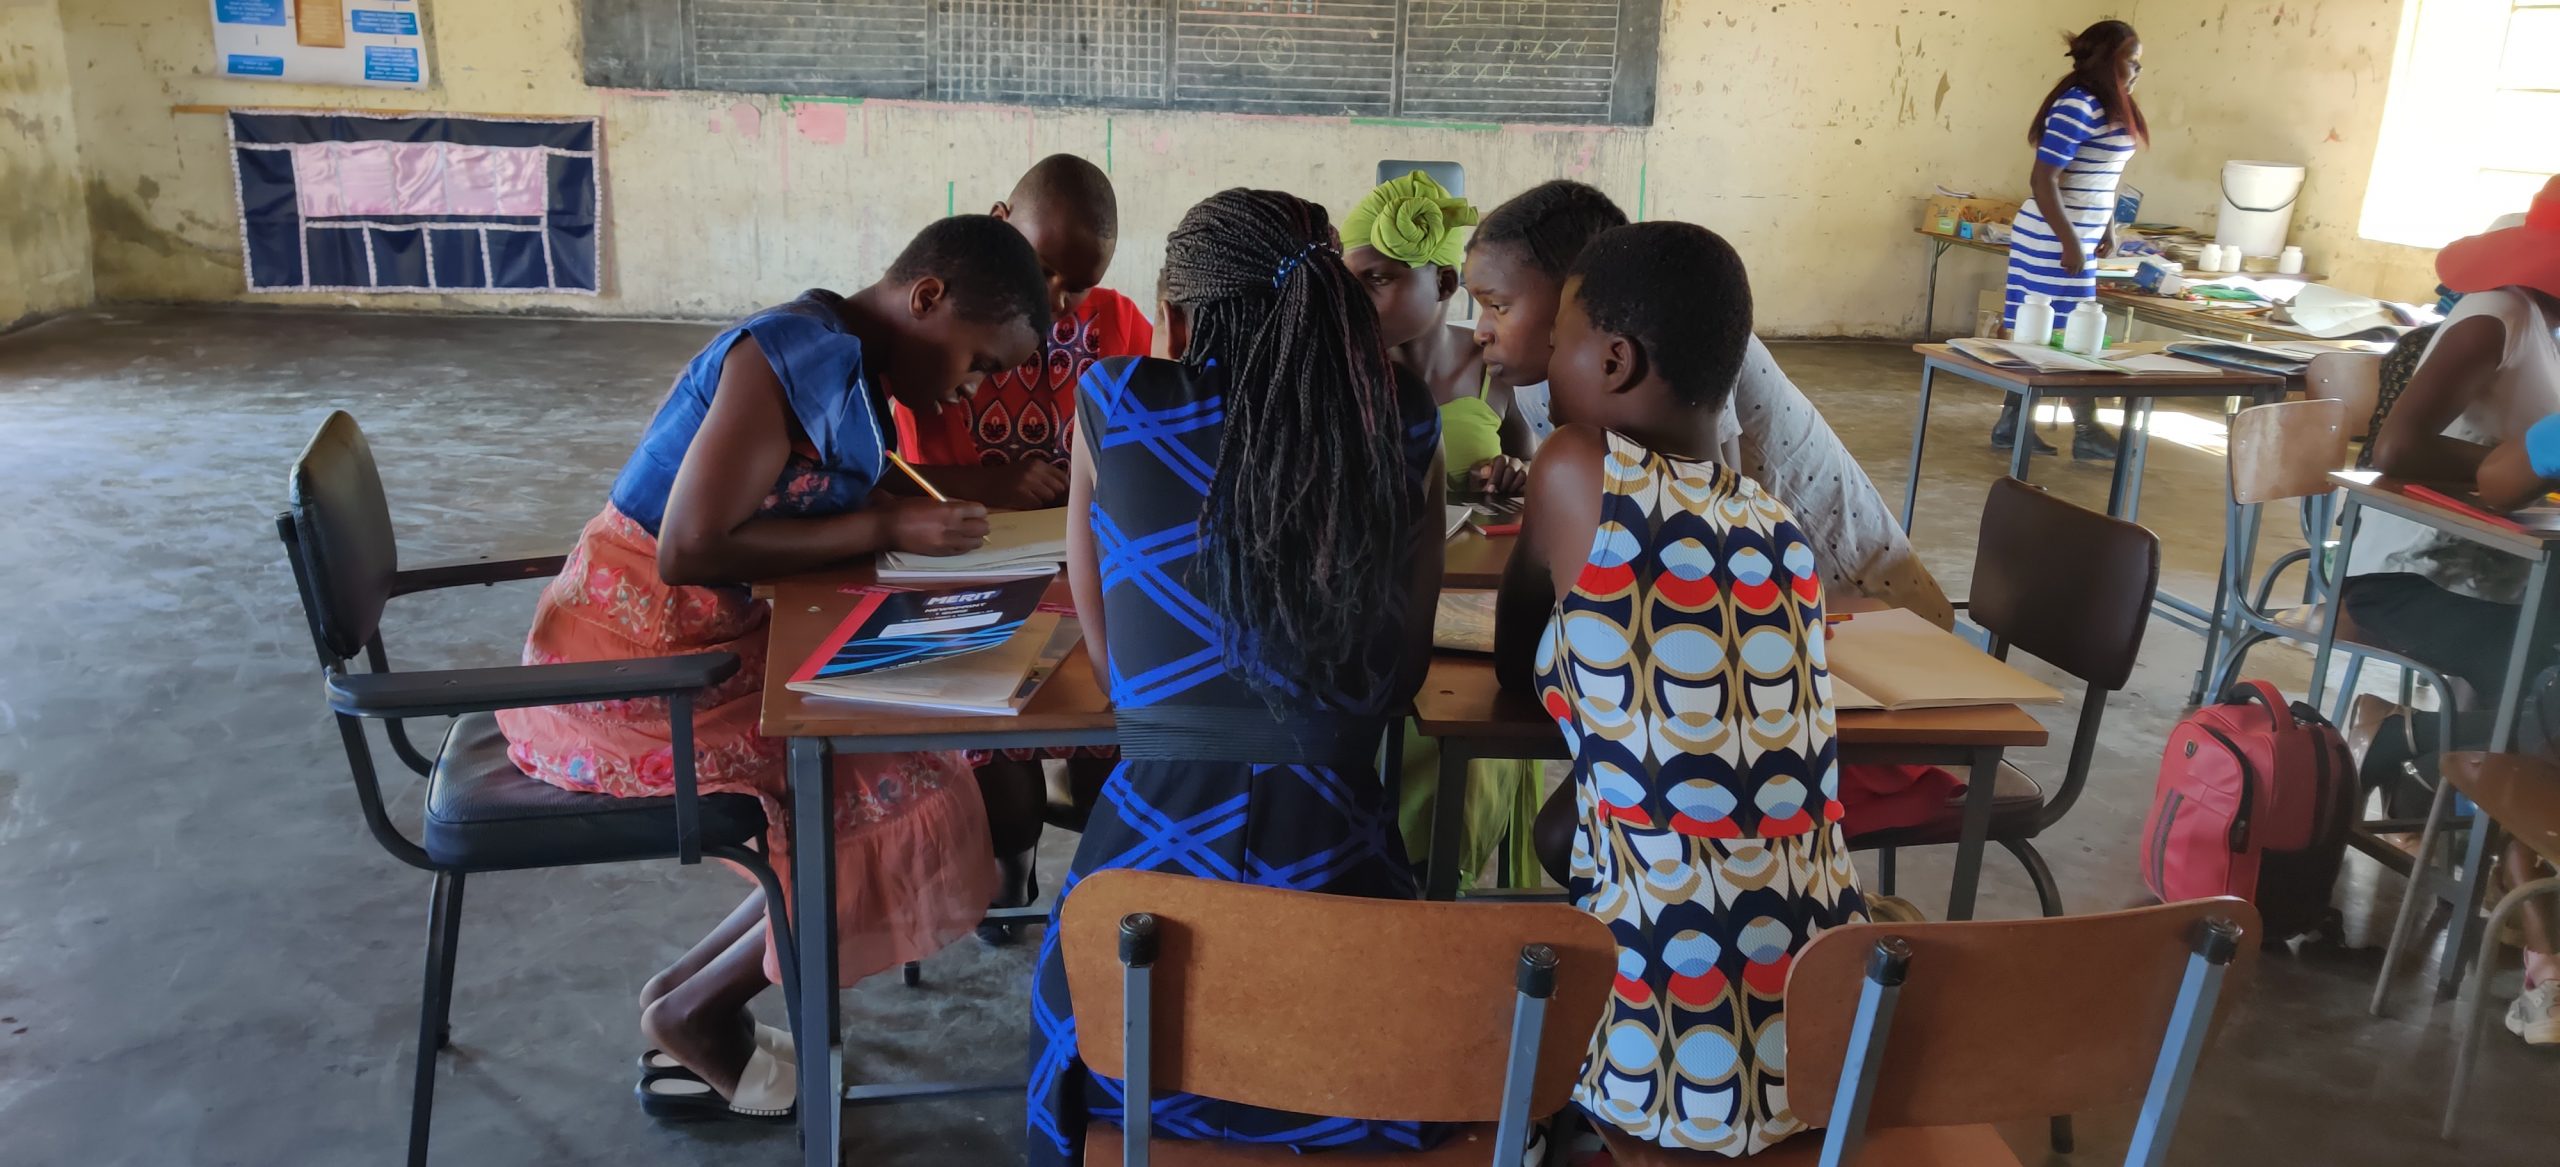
x=2365, y=489
x=1468, y=712
x=2137, y=305
x=2124, y=493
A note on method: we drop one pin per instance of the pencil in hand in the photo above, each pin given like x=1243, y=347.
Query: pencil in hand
x=912, y=476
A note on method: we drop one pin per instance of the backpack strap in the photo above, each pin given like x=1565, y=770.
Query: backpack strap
x=2263, y=693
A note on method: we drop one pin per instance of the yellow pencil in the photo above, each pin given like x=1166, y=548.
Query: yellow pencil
x=914, y=477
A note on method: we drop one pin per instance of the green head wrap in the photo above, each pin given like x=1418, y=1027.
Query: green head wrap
x=1410, y=220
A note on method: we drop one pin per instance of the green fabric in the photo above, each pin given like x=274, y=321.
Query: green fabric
x=1411, y=220
x=1502, y=812
x=1470, y=435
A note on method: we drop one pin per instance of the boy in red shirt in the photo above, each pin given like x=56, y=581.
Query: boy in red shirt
x=1006, y=446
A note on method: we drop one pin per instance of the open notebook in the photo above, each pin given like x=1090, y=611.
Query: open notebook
x=1020, y=544
x=1895, y=660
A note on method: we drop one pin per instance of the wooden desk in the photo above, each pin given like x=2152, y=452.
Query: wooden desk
x=2124, y=493
x=2367, y=489
x=1468, y=712
x=1476, y=560
x=2137, y=304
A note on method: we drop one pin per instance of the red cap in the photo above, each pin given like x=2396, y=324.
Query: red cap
x=2527, y=256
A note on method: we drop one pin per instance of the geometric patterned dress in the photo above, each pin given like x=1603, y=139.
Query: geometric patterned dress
x=1686, y=668
x=1154, y=427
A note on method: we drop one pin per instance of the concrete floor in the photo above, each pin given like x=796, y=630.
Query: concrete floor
x=204, y=960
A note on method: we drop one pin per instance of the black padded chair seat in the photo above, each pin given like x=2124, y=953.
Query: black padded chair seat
x=484, y=814
x=2017, y=804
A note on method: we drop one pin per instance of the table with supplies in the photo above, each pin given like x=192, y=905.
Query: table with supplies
x=2137, y=305
x=2538, y=545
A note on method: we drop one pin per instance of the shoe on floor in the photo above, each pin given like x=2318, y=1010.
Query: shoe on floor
x=2092, y=443
x=2004, y=432
x=2530, y=1015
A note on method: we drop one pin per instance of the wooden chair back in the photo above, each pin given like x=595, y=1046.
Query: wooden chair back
x=2353, y=380
x=2002, y=1020
x=2286, y=450
x=1334, y=1005
x=2070, y=586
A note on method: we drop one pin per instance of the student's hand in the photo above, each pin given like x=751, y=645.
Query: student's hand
x=2074, y=260
x=923, y=526
x=1027, y=485
x=1502, y=474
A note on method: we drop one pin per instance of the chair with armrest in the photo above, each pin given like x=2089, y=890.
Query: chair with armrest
x=1236, y=992
x=1908, y=1041
x=481, y=812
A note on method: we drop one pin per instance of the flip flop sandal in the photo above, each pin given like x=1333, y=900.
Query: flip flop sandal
x=767, y=1091
x=775, y=1041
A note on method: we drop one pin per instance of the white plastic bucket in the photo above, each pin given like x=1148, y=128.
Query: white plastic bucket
x=2257, y=205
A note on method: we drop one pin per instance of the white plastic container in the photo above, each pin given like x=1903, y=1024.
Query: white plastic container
x=2257, y=207
x=2085, y=330
x=2289, y=262
x=2035, y=320
x=2209, y=259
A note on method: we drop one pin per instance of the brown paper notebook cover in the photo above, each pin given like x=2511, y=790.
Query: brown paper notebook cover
x=1896, y=660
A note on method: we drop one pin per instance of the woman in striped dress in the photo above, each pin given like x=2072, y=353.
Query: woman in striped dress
x=2084, y=133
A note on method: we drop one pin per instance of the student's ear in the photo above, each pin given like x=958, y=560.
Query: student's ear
x=925, y=295
x=1173, y=337
x=1621, y=364
x=1002, y=211
x=1448, y=282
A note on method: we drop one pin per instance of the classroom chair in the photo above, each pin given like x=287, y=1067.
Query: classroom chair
x=2072, y=588
x=2514, y=794
x=2354, y=381
x=1237, y=992
x=1906, y=1042
x=481, y=812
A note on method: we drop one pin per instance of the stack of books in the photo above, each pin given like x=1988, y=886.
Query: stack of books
x=1895, y=660
x=976, y=648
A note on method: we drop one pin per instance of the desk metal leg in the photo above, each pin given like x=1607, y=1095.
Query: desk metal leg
x=2120, y=477
x=1448, y=824
x=2137, y=446
x=2478, y=855
x=2025, y=445
x=2348, y=520
x=1929, y=303
x=1919, y=439
x=813, y=919
x=1979, y=790
x=2467, y=1046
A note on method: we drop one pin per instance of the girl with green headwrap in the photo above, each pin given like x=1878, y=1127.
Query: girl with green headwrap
x=1402, y=244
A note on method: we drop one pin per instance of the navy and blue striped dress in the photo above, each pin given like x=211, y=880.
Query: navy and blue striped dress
x=1154, y=427
x=2092, y=149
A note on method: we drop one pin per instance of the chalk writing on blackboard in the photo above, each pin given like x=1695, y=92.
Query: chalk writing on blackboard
x=1586, y=61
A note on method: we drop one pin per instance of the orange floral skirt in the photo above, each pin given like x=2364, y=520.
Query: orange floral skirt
x=914, y=868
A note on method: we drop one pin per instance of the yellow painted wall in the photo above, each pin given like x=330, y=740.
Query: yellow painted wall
x=44, y=231
x=2291, y=81
x=1806, y=130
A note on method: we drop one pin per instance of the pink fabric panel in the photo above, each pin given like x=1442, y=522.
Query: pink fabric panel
x=339, y=179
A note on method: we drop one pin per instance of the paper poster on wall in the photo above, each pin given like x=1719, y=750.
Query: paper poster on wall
x=323, y=42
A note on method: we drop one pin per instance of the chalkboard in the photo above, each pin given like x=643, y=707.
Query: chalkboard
x=1570, y=61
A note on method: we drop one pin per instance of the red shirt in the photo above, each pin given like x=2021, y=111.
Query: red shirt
x=1029, y=412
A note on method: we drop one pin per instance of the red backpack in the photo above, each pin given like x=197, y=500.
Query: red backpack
x=2254, y=800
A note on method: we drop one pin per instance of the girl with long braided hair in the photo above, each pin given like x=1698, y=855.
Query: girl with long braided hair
x=1254, y=547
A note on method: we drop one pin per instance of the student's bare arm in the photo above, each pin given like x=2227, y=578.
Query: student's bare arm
x=1084, y=568
x=1556, y=525
x=2412, y=443
x=711, y=533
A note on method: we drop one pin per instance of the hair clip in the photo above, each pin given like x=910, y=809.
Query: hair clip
x=1280, y=275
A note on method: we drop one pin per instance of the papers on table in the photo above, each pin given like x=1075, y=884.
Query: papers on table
x=1456, y=517
x=1464, y=621
x=2132, y=361
x=1895, y=660
x=1020, y=544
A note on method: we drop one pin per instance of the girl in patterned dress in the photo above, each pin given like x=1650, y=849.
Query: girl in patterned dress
x=762, y=461
x=1253, y=538
x=1668, y=614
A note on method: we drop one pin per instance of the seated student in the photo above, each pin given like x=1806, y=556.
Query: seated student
x=1254, y=544
x=1401, y=244
x=1667, y=612
x=765, y=459
x=1006, y=446
x=2482, y=410
x=1769, y=431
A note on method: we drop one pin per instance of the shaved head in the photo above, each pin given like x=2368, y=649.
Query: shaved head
x=1065, y=189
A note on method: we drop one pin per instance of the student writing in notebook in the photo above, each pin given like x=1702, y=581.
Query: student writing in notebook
x=1668, y=614
x=766, y=459
x=1006, y=445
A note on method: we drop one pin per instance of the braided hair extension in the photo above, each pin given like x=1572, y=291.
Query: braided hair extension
x=1303, y=530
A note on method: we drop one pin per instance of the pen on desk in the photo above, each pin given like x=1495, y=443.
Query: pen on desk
x=914, y=477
